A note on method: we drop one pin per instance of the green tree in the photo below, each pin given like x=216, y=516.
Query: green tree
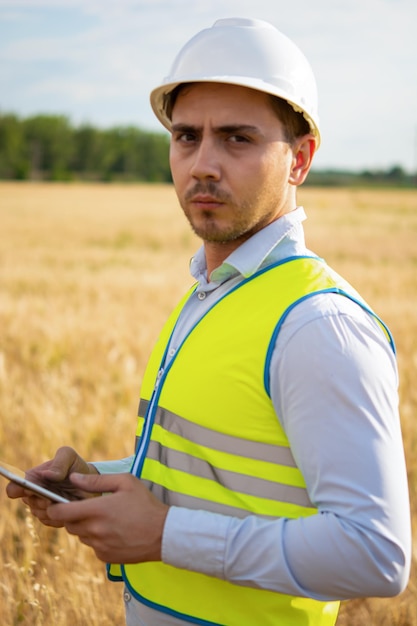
x=154, y=149
x=87, y=151
x=13, y=163
x=49, y=146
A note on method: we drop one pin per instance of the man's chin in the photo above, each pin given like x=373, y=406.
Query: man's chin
x=216, y=233
x=215, y=236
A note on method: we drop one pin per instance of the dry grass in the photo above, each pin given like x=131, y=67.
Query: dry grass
x=88, y=274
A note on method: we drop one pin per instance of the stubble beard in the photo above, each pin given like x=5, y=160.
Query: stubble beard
x=210, y=226
x=209, y=229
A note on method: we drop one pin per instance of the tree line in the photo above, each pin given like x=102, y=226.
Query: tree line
x=49, y=147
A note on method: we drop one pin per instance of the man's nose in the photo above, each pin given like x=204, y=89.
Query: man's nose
x=206, y=163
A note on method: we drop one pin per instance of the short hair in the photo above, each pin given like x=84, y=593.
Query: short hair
x=294, y=123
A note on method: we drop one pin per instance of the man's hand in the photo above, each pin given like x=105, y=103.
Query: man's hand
x=123, y=526
x=56, y=471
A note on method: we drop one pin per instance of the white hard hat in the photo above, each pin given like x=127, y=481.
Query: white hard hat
x=246, y=52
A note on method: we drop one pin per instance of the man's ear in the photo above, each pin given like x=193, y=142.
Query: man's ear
x=303, y=149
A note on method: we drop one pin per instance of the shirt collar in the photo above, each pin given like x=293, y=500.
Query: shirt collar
x=251, y=255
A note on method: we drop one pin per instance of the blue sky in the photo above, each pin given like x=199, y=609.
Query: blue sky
x=97, y=60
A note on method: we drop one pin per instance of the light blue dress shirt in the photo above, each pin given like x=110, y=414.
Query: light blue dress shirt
x=334, y=385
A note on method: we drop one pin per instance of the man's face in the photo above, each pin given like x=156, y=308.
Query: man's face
x=229, y=160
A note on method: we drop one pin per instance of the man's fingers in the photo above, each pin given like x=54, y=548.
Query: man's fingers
x=14, y=491
x=91, y=483
x=59, y=467
x=102, y=483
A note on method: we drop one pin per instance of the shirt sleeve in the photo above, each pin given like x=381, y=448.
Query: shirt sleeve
x=334, y=386
x=119, y=466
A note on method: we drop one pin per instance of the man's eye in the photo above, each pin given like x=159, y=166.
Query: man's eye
x=238, y=139
x=186, y=137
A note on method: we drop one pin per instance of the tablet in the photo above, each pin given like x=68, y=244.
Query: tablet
x=17, y=476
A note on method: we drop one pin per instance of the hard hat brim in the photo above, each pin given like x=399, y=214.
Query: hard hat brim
x=160, y=95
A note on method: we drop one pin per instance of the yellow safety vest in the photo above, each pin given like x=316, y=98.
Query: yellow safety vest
x=209, y=439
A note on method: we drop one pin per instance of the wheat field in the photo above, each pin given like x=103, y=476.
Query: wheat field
x=88, y=273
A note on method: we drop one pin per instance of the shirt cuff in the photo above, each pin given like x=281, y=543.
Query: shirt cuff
x=195, y=540
x=121, y=466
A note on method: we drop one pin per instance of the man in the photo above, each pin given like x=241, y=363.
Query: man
x=272, y=476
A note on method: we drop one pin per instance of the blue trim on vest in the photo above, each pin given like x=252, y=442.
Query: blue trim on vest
x=163, y=609
x=278, y=327
x=149, y=418
x=263, y=270
x=114, y=579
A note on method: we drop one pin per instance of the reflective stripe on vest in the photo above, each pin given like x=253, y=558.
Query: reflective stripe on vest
x=210, y=439
x=253, y=471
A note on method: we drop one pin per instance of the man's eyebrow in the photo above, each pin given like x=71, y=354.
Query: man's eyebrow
x=183, y=128
x=223, y=129
x=238, y=128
